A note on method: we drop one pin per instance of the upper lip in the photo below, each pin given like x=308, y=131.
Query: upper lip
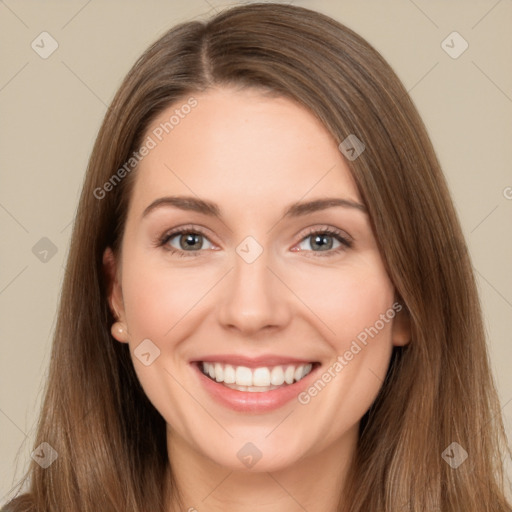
x=252, y=362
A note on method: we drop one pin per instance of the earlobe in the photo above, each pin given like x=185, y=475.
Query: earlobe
x=119, y=332
x=114, y=295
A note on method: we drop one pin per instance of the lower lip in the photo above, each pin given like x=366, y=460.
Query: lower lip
x=259, y=401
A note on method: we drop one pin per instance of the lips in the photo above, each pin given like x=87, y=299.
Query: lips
x=255, y=385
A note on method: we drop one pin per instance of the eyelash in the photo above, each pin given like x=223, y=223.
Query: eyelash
x=346, y=243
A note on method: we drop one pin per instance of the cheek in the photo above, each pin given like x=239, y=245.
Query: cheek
x=157, y=296
x=354, y=309
x=360, y=314
x=347, y=300
x=362, y=307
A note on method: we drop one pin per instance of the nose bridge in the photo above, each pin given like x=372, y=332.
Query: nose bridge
x=253, y=299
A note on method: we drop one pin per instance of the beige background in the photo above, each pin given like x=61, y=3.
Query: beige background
x=52, y=108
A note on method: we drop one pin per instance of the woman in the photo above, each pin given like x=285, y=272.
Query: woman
x=268, y=302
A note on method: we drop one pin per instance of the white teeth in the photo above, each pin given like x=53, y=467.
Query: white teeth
x=298, y=373
x=219, y=372
x=229, y=374
x=254, y=389
x=261, y=377
x=289, y=374
x=243, y=376
x=257, y=379
x=277, y=376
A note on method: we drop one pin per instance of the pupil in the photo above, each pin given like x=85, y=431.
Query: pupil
x=190, y=241
x=323, y=244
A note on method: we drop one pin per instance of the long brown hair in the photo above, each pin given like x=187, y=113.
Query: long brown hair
x=111, y=441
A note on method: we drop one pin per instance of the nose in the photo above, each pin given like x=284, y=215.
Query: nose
x=253, y=298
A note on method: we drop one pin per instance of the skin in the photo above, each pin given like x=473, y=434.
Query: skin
x=253, y=155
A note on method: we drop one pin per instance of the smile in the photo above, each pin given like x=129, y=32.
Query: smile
x=255, y=380
x=255, y=386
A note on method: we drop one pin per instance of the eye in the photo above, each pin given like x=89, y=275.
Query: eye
x=185, y=240
x=190, y=241
x=325, y=240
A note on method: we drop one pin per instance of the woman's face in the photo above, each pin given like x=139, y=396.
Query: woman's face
x=265, y=283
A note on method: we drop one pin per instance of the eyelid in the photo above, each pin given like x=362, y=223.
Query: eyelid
x=193, y=228
x=326, y=228
x=162, y=240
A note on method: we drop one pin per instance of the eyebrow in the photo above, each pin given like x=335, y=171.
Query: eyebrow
x=205, y=207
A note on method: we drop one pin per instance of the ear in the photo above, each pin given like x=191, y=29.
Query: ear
x=111, y=271
x=401, y=329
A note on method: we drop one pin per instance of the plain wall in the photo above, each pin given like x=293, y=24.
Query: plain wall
x=52, y=108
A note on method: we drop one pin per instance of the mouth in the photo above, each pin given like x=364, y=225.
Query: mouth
x=248, y=386
x=255, y=380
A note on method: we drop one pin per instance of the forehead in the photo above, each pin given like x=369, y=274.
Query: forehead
x=241, y=146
